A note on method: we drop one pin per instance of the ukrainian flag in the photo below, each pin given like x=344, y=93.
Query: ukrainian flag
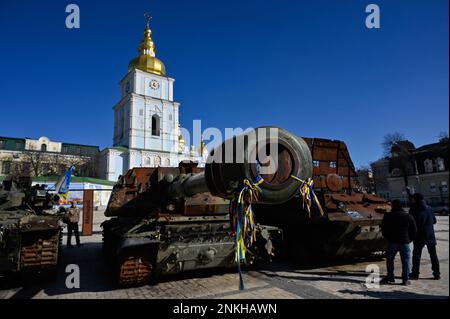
x=62, y=187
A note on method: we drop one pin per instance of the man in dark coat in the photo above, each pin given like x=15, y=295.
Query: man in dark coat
x=399, y=229
x=425, y=220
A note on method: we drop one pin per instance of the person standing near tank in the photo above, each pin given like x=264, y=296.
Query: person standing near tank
x=399, y=229
x=425, y=220
x=72, y=219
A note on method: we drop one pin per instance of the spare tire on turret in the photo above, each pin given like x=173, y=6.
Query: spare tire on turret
x=271, y=152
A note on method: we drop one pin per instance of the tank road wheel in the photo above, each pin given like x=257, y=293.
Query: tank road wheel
x=134, y=271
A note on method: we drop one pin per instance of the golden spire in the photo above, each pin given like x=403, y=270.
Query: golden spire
x=147, y=60
x=203, y=149
x=193, y=150
x=147, y=45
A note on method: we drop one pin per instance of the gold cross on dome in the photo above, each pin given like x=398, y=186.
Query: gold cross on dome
x=147, y=17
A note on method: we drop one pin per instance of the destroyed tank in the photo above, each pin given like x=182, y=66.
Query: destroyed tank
x=165, y=220
x=30, y=233
x=350, y=225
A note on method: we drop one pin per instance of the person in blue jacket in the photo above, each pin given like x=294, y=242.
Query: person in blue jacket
x=425, y=220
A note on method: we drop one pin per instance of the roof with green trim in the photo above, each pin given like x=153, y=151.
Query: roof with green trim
x=74, y=179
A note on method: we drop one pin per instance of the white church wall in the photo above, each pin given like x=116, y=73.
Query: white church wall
x=135, y=159
x=138, y=124
x=118, y=167
x=127, y=84
x=170, y=89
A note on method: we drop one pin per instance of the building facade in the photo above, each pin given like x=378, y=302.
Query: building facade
x=424, y=170
x=43, y=157
x=146, y=119
x=380, y=174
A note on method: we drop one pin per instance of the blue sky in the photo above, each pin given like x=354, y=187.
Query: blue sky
x=311, y=67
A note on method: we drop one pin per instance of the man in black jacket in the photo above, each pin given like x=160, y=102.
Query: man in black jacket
x=399, y=229
x=425, y=220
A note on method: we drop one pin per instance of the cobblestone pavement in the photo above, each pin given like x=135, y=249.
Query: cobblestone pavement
x=269, y=280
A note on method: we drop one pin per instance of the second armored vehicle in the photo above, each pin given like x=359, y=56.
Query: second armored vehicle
x=350, y=222
x=30, y=234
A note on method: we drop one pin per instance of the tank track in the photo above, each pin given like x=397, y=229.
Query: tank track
x=131, y=269
x=40, y=252
x=134, y=271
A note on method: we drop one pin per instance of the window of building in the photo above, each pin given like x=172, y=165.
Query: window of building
x=316, y=163
x=155, y=125
x=440, y=164
x=6, y=167
x=20, y=146
x=428, y=165
x=444, y=187
x=333, y=164
x=157, y=161
x=44, y=148
x=396, y=172
x=433, y=187
x=141, y=112
x=170, y=117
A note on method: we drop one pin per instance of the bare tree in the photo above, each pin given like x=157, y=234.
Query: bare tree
x=443, y=137
x=35, y=160
x=389, y=140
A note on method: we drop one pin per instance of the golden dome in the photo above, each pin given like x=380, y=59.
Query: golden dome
x=147, y=60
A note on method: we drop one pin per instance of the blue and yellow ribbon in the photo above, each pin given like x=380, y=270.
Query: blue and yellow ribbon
x=243, y=220
x=308, y=195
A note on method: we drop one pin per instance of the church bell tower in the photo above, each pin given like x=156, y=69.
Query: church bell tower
x=146, y=116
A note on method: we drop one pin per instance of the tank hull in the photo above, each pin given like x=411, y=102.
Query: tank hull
x=350, y=227
x=177, y=244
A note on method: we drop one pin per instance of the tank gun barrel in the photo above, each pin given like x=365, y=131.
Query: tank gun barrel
x=269, y=152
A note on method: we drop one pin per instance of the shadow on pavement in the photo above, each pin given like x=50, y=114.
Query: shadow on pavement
x=94, y=276
x=326, y=276
x=391, y=294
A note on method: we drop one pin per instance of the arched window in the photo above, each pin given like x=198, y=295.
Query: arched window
x=440, y=164
x=157, y=161
x=155, y=125
x=43, y=147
